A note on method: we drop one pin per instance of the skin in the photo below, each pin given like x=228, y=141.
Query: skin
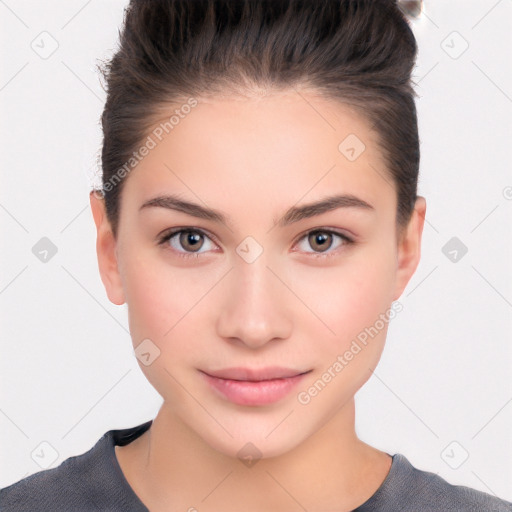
x=253, y=158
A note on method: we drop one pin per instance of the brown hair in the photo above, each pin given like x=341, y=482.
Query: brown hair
x=359, y=52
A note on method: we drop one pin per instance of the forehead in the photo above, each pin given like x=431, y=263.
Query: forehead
x=289, y=146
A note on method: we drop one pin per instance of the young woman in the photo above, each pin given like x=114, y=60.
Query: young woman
x=258, y=216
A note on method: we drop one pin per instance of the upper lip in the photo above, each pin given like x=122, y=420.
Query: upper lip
x=253, y=374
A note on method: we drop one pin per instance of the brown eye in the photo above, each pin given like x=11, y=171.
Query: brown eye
x=320, y=240
x=191, y=240
x=324, y=242
x=187, y=242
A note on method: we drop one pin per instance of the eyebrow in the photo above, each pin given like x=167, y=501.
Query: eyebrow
x=292, y=215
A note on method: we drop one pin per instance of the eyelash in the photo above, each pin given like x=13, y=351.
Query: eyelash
x=167, y=236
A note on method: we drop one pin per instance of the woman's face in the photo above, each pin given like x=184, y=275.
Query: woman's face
x=258, y=289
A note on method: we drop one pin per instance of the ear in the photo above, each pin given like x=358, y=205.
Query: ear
x=409, y=247
x=106, y=249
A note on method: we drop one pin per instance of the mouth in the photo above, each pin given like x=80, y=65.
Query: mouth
x=245, y=386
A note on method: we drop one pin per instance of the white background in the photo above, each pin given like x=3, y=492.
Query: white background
x=68, y=371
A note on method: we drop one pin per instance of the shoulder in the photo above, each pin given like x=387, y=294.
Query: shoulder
x=67, y=485
x=409, y=489
x=430, y=490
x=91, y=481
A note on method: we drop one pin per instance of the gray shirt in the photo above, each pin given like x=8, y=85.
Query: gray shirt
x=94, y=481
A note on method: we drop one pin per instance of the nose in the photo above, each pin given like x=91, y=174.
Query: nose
x=257, y=306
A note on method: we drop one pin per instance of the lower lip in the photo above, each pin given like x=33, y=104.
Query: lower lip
x=244, y=392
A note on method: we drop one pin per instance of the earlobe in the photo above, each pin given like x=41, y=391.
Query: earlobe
x=106, y=251
x=409, y=247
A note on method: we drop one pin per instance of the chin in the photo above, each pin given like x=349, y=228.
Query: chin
x=247, y=443
x=246, y=449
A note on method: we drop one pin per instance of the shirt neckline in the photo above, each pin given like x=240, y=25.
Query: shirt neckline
x=398, y=462
x=122, y=437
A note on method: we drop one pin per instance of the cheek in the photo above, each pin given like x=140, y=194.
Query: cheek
x=350, y=296
x=148, y=306
x=163, y=299
x=162, y=307
x=358, y=311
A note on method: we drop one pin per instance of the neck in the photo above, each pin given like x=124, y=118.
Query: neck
x=171, y=466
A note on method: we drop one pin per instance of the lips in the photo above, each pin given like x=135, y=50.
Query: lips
x=255, y=375
x=253, y=387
